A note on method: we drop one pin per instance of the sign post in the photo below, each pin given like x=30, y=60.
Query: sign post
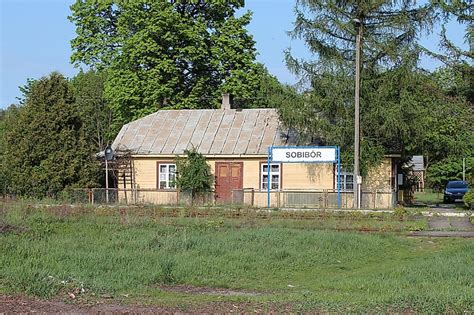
x=305, y=155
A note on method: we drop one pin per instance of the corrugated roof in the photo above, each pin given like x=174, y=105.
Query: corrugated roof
x=417, y=162
x=210, y=131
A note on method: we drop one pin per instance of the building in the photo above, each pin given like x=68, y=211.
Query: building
x=418, y=172
x=235, y=143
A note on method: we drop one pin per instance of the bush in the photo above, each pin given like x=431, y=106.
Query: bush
x=194, y=174
x=469, y=199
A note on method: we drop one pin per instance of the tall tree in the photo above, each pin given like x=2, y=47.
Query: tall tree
x=390, y=55
x=458, y=60
x=7, y=117
x=462, y=12
x=165, y=54
x=94, y=112
x=45, y=147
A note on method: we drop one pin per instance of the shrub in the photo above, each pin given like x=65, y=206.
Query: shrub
x=194, y=174
x=469, y=199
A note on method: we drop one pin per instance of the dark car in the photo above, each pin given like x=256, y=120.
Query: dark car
x=455, y=190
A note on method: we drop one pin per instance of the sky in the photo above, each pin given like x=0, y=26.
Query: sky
x=35, y=40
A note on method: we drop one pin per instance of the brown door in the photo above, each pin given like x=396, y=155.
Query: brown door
x=229, y=176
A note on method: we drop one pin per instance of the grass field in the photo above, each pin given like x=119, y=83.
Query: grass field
x=301, y=261
x=428, y=197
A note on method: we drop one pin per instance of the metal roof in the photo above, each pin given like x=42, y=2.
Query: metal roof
x=417, y=162
x=210, y=131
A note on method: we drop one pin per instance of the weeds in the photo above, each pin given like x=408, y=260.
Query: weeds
x=260, y=252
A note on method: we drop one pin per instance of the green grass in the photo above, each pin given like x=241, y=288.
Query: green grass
x=296, y=259
x=428, y=197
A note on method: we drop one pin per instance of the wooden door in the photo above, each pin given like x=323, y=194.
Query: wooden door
x=229, y=176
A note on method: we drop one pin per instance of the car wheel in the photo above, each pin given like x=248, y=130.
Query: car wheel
x=446, y=200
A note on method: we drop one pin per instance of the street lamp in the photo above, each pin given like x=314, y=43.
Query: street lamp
x=357, y=178
x=109, y=155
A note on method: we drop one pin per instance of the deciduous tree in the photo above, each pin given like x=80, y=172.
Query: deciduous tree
x=166, y=54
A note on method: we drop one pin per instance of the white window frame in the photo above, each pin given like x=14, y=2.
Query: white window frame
x=344, y=182
x=169, y=176
x=264, y=174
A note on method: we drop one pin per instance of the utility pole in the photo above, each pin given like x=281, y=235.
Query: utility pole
x=464, y=169
x=358, y=25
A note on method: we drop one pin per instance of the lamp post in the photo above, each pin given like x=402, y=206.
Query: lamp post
x=109, y=155
x=357, y=181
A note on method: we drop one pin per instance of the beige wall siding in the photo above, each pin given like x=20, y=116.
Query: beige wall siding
x=294, y=176
x=308, y=176
x=145, y=173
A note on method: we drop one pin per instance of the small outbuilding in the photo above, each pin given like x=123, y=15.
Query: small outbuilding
x=235, y=144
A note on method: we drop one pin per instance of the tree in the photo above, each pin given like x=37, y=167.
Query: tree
x=7, y=117
x=451, y=169
x=458, y=60
x=94, y=112
x=327, y=26
x=165, y=54
x=390, y=56
x=45, y=147
x=194, y=174
x=461, y=11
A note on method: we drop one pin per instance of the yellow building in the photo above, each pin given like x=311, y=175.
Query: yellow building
x=235, y=143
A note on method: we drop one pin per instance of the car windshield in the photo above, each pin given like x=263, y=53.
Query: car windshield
x=457, y=185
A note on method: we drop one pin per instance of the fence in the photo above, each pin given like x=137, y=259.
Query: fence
x=135, y=196
x=314, y=199
x=252, y=197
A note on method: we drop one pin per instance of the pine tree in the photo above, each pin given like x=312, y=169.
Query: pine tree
x=45, y=147
x=389, y=58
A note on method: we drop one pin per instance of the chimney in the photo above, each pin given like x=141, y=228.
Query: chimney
x=226, y=101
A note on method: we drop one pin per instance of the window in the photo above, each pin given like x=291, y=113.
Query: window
x=274, y=176
x=167, y=176
x=347, y=180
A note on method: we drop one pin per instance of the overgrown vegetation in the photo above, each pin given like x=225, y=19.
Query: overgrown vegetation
x=45, y=146
x=103, y=252
x=404, y=108
x=166, y=54
x=193, y=174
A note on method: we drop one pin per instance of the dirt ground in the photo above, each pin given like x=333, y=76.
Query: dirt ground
x=10, y=304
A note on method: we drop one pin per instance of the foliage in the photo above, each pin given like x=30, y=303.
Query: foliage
x=458, y=61
x=166, y=54
x=245, y=253
x=45, y=149
x=455, y=81
x=469, y=199
x=5, y=117
x=95, y=115
x=461, y=11
x=193, y=173
x=389, y=60
x=389, y=31
x=441, y=172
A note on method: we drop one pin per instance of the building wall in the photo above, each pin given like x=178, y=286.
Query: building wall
x=146, y=173
x=379, y=177
x=293, y=175
x=295, y=179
